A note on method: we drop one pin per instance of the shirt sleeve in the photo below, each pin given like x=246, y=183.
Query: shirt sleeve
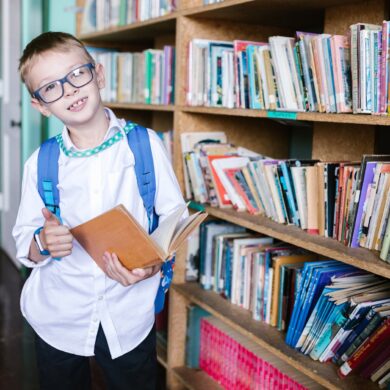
x=29, y=216
x=168, y=193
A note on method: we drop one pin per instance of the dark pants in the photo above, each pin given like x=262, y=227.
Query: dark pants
x=136, y=370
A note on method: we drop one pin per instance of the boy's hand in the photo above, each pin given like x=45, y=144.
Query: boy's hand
x=115, y=270
x=56, y=238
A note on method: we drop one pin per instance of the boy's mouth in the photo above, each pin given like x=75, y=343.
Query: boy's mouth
x=78, y=104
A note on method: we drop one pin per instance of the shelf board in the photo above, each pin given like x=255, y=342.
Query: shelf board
x=359, y=257
x=195, y=379
x=269, y=338
x=296, y=14
x=140, y=106
x=147, y=29
x=162, y=354
x=377, y=120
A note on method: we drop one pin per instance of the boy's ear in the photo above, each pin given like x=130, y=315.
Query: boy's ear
x=40, y=107
x=101, y=80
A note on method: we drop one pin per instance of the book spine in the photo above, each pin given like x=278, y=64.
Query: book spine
x=379, y=337
x=385, y=251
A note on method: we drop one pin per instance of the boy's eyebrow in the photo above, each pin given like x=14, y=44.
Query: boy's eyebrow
x=49, y=79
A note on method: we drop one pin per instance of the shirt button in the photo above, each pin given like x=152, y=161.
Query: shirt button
x=100, y=297
x=95, y=319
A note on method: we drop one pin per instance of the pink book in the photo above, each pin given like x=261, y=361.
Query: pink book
x=259, y=373
x=341, y=65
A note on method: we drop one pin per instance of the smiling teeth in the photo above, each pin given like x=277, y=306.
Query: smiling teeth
x=81, y=101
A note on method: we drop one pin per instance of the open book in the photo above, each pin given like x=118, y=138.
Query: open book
x=117, y=231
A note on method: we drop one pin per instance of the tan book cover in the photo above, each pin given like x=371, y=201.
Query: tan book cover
x=117, y=231
x=277, y=262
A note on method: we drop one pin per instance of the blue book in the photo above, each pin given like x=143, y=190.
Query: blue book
x=321, y=277
x=319, y=310
x=336, y=316
x=370, y=322
x=300, y=298
x=194, y=315
x=212, y=229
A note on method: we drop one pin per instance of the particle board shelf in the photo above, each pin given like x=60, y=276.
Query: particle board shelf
x=269, y=338
x=378, y=120
x=140, y=106
x=358, y=257
x=195, y=379
x=162, y=354
x=147, y=29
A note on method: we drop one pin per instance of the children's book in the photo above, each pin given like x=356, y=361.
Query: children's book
x=117, y=231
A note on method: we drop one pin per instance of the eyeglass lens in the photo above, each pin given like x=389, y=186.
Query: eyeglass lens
x=77, y=78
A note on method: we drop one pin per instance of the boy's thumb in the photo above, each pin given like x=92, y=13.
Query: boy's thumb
x=50, y=217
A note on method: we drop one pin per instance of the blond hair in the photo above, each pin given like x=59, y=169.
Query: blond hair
x=43, y=43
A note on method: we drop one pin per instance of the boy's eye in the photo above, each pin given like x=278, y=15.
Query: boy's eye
x=50, y=87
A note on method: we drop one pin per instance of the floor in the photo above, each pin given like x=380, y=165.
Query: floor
x=17, y=361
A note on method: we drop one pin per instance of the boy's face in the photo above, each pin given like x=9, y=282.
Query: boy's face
x=77, y=106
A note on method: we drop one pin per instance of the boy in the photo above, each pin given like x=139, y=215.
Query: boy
x=76, y=309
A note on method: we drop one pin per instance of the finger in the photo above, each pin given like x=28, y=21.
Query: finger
x=51, y=239
x=60, y=254
x=58, y=230
x=140, y=272
x=111, y=271
x=50, y=218
x=59, y=247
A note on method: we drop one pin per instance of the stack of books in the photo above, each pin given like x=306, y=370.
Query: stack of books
x=104, y=14
x=347, y=201
x=146, y=77
x=329, y=310
x=311, y=72
x=235, y=363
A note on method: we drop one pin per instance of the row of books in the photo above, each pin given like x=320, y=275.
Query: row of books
x=347, y=201
x=343, y=314
x=232, y=361
x=312, y=72
x=105, y=14
x=167, y=139
x=329, y=310
x=146, y=77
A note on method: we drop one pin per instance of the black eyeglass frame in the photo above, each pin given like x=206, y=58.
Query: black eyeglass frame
x=36, y=94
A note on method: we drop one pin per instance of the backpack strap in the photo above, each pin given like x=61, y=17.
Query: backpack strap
x=139, y=143
x=138, y=139
x=48, y=175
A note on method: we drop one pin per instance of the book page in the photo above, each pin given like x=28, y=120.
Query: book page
x=166, y=229
x=184, y=229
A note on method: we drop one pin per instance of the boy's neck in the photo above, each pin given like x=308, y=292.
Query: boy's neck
x=91, y=134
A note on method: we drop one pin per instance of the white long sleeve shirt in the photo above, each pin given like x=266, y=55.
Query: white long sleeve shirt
x=65, y=301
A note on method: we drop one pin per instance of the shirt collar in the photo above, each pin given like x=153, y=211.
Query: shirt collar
x=114, y=125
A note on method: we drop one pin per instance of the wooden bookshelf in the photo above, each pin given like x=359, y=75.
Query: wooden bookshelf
x=268, y=337
x=195, y=379
x=332, y=136
x=374, y=120
x=162, y=354
x=147, y=29
x=328, y=247
x=140, y=107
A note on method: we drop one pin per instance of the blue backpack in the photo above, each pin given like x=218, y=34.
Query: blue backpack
x=139, y=143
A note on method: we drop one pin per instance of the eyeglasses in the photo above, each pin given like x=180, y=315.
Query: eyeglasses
x=54, y=90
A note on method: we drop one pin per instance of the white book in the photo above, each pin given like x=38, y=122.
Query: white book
x=236, y=262
x=299, y=179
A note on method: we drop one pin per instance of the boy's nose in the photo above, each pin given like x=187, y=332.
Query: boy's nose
x=69, y=90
